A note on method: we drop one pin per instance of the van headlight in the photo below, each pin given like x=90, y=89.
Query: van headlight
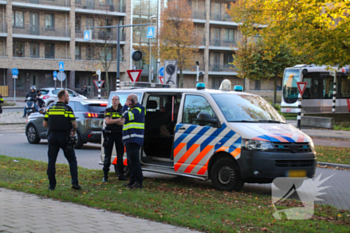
x=311, y=145
x=256, y=145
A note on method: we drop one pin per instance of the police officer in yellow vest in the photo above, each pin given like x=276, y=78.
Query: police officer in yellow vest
x=60, y=120
x=114, y=135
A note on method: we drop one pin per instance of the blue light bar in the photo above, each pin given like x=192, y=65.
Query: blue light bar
x=238, y=88
x=200, y=86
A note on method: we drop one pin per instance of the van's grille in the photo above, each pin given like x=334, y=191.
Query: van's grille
x=291, y=146
x=294, y=163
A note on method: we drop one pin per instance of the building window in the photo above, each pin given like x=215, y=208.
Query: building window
x=229, y=35
x=257, y=84
x=77, y=82
x=77, y=23
x=34, y=50
x=49, y=22
x=216, y=82
x=89, y=53
x=18, y=19
x=33, y=81
x=108, y=56
x=18, y=49
x=49, y=50
x=77, y=52
x=228, y=58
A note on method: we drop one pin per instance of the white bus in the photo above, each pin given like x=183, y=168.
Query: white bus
x=318, y=95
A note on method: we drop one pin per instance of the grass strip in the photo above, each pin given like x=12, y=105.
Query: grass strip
x=176, y=201
x=332, y=154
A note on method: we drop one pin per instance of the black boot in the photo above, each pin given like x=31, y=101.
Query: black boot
x=105, y=177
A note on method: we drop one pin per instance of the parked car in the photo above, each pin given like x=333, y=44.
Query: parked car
x=89, y=116
x=49, y=95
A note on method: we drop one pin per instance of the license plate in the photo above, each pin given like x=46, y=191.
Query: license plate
x=296, y=173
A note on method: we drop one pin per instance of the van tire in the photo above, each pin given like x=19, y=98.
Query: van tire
x=225, y=175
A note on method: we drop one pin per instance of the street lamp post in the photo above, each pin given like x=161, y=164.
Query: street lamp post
x=197, y=63
x=150, y=54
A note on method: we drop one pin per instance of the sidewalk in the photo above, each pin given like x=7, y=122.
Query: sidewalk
x=22, y=212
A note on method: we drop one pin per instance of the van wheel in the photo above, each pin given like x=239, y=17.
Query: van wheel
x=79, y=143
x=225, y=175
x=126, y=170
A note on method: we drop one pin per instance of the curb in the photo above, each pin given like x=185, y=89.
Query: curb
x=336, y=137
x=19, y=123
x=6, y=107
x=334, y=165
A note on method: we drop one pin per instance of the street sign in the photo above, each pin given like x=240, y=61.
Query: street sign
x=134, y=75
x=150, y=32
x=61, y=66
x=170, y=72
x=98, y=83
x=345, y=70
x=61, y=76
x=301, y=87
x=161, y=79
x=161, y=71
x=55, y=74
x=87, y=35
x=14, y=76
x=15, y=71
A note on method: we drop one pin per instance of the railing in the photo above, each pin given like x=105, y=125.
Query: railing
x=63, y=3
x=49, y=57
x=102, y=35
x=42, y=31
x=194, y=68
x=217, y=67
x=102, y=5
x=222, y=43
x=220, y=17
x=198, y=14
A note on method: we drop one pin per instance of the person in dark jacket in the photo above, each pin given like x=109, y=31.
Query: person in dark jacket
x=114, y=133
x=133, y=131
x=32, y=93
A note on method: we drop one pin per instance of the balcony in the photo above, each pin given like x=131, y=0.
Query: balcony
x=41, y=33
x=198, y=15
x=43, y=57
x=218, y=67
x=100, y=36
x=223, y=43
x=57, y=5
x=100, y=7
x=221, y=19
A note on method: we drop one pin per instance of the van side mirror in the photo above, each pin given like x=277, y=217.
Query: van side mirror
x=205, y=118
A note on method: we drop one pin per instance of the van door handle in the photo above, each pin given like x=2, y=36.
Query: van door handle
x=182, y=128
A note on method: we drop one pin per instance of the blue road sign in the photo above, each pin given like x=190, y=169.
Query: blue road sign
x=14, y=71
x=161, y=71
x=61, y=66
x=87, y=35
x=151, y=32
x=55, y=74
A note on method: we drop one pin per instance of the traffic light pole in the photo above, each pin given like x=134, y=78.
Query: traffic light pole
x=118, y=26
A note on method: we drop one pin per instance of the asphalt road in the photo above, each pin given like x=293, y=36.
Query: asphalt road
x=14, y=143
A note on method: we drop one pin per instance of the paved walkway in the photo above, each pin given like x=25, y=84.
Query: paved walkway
x=22, y=212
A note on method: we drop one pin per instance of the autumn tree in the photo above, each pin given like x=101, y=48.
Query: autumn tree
x=318, y=29
x=178, y=39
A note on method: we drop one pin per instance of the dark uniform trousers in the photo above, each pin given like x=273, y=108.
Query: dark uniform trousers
x=133, y=152
x=114, y=138
x=56, y=141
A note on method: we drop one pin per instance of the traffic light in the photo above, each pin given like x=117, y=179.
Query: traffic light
x=136, y=55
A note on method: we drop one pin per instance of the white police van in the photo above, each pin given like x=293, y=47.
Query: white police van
x=227, y=137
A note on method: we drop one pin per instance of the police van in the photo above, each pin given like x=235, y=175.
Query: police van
x=220, y=135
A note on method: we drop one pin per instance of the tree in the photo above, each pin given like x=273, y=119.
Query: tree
x=318, y=29
x=105, y=51
x=255, y=61
x=178, y=39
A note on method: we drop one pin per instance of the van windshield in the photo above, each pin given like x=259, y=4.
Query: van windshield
x=246, y=108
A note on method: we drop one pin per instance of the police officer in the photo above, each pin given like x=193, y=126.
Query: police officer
x=133, y=131
x=60, y=120
x=114, y=129
x=1, y=101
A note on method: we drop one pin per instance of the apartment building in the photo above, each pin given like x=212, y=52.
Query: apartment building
x=36, y=34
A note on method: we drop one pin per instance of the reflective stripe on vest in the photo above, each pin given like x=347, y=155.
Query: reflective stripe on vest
x=133, y=125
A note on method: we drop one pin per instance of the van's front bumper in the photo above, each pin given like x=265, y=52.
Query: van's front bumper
x=265, y=166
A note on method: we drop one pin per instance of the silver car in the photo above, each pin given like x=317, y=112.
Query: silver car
x=49, y=95
x=89, y=116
